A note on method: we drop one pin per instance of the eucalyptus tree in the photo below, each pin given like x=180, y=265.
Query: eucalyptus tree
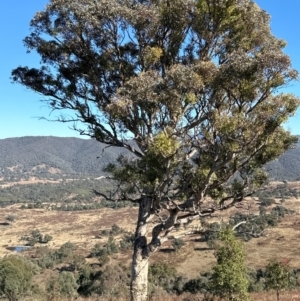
x=193, y=83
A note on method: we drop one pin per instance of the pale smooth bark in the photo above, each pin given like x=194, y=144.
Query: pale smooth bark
x=140, y=258
x=143, y=249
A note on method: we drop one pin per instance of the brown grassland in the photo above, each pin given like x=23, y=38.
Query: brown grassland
x=83, y=228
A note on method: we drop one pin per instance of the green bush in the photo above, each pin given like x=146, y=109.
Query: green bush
x=65, y=251
x=161, y=275
x=63, y=286
x=102, y=252
x=15, y=277
x=255, y=224
x=127, y=241
x=46, y=258
x=267, y=202
x=115, y=230
x=256, y=280
x=112, y=281
x=36, y=237
x=110, y=247
x=178, y=243
x=280, y=211
x=198, y=285
x=47, y=238
x=211, y=233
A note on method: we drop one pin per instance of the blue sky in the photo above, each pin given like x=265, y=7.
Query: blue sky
x=19, y=106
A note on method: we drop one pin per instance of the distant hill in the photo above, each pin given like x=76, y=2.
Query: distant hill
x=45, y=157
x=54, y=157
x=287, y=167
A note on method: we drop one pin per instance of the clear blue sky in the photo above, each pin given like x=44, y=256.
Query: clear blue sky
x=19, y=106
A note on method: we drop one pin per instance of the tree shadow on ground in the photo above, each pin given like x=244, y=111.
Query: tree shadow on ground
x=203, y=249
x=167, y=250
x=66, y=268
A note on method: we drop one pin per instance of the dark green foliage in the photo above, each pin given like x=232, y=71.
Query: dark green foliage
x=256, y=280
x=65, y=251
x=65, y=254
x=44, y=258
x=160, y=271
x=212, y=233
x=15, y=277
x=127, y=241
x=40, y=195
x=111, y=281
x=198, y=285
x=76, y=262
x=37, y=237
x=163, y=276
x=281, y=211
x=85, y=279
x=255, y=224
x=96, y=250
x=110, y=247
x=47, y=238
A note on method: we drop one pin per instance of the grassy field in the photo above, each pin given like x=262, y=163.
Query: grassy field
x=84, y=228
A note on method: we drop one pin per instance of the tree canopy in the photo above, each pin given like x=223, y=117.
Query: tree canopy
x=190, y=87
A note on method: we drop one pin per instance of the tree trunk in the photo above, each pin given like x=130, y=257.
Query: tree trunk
x=139, y=270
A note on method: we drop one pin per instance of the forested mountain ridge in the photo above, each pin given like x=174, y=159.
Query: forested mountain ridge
x=287, y=167
x=55, y=157
x=48, y=156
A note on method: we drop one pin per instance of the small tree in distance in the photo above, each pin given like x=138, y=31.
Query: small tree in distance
x=189, y=87
x=229, y=279
x=277, y=276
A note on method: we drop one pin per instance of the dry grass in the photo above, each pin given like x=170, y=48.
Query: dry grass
x=265, y=296
x=29, y=181
x=84, y=228
x=80, y=227
x=271, y=296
